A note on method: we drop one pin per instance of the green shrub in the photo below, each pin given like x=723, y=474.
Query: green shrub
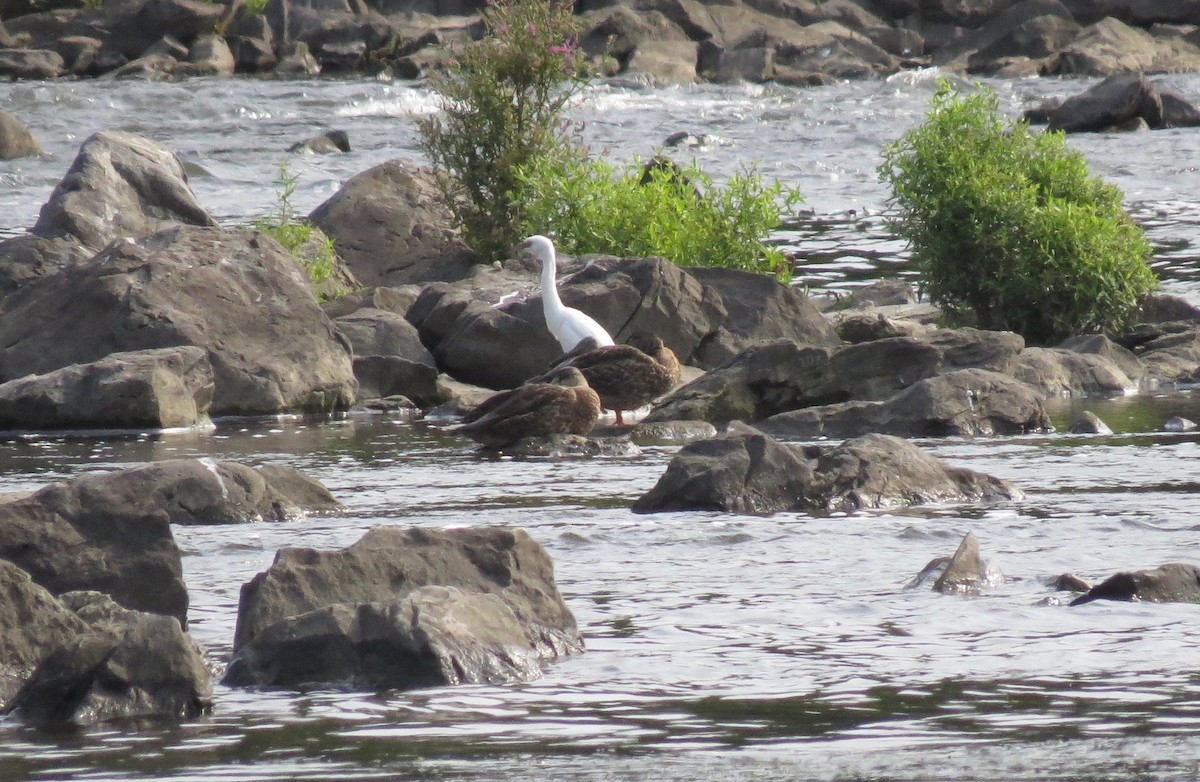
x=312, y=248
x=589, y=206
x=1010, y=226
x=501, y=107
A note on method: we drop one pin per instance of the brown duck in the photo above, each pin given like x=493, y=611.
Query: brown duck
x=558, y=402
x=628, y=376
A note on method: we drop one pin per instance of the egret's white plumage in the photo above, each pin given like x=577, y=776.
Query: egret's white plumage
x=568, y=325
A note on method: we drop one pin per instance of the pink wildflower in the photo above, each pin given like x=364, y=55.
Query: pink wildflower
x=532, y=28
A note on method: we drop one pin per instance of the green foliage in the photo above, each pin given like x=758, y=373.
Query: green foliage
x=501, y=106
x=592, y=207
x=313, y=249
x=1011, y=226
x=256, y=7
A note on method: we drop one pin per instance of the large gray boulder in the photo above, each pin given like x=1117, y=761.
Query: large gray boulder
x=1174, y=582
x=148, y=389
x=752, y=473
x=237, y=294
x=433, y=636
x=120, y=185
x=32, y=625
x=489, y=592
x=967, y=402
x=389, y=226
x=132, y=666
x=1057, y=371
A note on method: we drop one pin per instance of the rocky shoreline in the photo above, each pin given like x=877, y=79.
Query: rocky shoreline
x=798, y=42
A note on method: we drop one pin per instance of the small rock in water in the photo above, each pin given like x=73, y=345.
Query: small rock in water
x=326, y=143
x=1069, y=582
x=685, y=139
x=1178, y=424
x=1088, y=422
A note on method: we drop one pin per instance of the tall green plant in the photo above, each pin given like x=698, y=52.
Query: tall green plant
x=312, y=248
x=1011, y=226
x=593, y=207
x=501, y=107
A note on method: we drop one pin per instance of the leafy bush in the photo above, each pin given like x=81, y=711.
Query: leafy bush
x=501, y=106
x=1011, y=226
x=590, y=206
x=312, y=248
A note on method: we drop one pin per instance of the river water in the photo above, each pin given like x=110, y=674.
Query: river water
x=719, y=647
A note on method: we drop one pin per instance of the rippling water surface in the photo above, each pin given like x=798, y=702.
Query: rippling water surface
x=719, y=647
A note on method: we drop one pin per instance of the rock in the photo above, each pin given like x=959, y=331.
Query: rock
x=83, y=534
x=210, y=55
x=1110, y=47
x=296, y=62
x=119, y=186
x=761, y=382
x=251, y=43
x=327, y=143
x=389, y=358
x=1171, y=583
x=1178, y=424
x=1069, y=582
x=966, y=573
x=1178, y=112
x=1023, y=50
x=879, y=368
x=388, y=225
x=564, y=446
x=644, y=42
x=752, y=473
x=432, y=636
x=963, y=403
x=142, y=667
x=32, y=624
x=15, y=139
x=1164, y=308
x=1113, y=101
x=148, y=389
x=1100, y=345
x=31, y=64
x=1034, y=28
x=243, y=298
x=1056, y=371
x=1087, y=422
x=1174, y=355
x=490, y=595
x=137, y=27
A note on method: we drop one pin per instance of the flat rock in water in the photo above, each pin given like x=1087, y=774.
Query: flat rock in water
x=752, y=473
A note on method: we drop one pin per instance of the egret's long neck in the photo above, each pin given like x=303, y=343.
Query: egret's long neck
x=550, y=300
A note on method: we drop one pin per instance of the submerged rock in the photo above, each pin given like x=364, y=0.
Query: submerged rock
x=964, y=573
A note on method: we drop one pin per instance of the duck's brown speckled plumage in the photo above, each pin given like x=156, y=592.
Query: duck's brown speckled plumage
x=629, y=376
x=560, y=403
